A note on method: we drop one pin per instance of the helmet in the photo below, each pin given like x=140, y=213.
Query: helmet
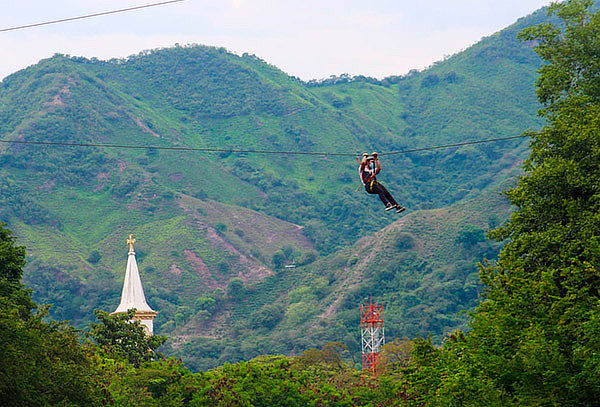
x=370, y=157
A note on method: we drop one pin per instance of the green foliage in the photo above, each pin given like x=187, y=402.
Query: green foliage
x=14, y=203
x=307, y=257
x=568, y=74
x=236, y=289
x=206, y=303
x=94, y=257
x=396, y=354
x=303, y=293
x=288, y=255
x=470, y=235
x=534, y=339
x=214, y=73
x=531, y=339
x=404, y=241
x=550, y=263
x=121, y=335
x=280, y=381
x=67, y=292
x=46, y=364
x=12, y=258
x=278, y=259
x=42, y=363
x=268, y=317
x=299, y=312
x=331, y=355
x=206, y=97
x=430, y=81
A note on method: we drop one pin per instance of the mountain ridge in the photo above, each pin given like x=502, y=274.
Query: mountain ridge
x=183, y=206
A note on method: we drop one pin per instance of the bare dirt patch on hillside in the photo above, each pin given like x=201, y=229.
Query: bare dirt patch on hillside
x=57, y=99
x=202, y=269
x=145, y=128
x=247, y=234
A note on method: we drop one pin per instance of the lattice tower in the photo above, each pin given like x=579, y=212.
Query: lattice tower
x=372, y=334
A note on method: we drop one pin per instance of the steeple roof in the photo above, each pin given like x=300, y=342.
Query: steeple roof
x=132, y=295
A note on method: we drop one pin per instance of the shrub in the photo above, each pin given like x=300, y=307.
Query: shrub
x=404, y=241
x=430, y=81
x=236, y=289
x=470, y=235
x=94, y=257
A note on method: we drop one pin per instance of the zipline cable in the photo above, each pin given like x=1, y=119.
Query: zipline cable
x=239, y=151
x=21, y=27
x=466, y=143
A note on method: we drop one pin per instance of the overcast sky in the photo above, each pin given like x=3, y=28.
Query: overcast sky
x=306, y=38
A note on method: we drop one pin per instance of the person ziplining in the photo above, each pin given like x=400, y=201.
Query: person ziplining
x=368, y=170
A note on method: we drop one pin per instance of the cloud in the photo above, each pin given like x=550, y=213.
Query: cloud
x=309, y=39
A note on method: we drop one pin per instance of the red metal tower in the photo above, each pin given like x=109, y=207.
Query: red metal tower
x=372, y=334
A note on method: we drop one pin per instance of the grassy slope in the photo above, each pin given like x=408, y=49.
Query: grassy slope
x=184, y=207
x=415, y=266
x=425, y=287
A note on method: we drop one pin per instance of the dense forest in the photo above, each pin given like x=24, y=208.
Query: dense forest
x=532, y=340
x=217, y=230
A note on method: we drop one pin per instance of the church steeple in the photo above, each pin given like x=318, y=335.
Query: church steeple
x=132, y=295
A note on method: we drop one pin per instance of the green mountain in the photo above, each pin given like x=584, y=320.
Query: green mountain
x=422, y=267
x=215, y=230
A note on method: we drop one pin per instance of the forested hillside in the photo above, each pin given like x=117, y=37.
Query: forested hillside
x=214, y=228
x=424, y=282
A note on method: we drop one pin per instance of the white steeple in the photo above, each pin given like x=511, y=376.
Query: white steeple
x=132, y=295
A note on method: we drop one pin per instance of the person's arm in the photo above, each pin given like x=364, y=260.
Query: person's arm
x=377, y=163
x=363, y=163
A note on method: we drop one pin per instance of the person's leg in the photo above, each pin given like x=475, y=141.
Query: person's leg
x=387, y=195
x=380, y=190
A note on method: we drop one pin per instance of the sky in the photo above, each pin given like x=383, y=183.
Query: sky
x=311, y=39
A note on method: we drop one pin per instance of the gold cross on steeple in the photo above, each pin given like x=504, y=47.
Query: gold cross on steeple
x=131, y=242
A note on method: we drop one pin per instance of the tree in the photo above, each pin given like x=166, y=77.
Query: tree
x=278, y=259
x=235, y=288
x=307, y=257
x=120, y=335
x=396, y=353
x=42, y=363
x=268, y=316
x=404, y=241
x=430, y=81
x=331, y=355
x=12, y=258
x=206, y=303
x=537, y=332
x=534, y=338
x=469, y=236
x=94, y=257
